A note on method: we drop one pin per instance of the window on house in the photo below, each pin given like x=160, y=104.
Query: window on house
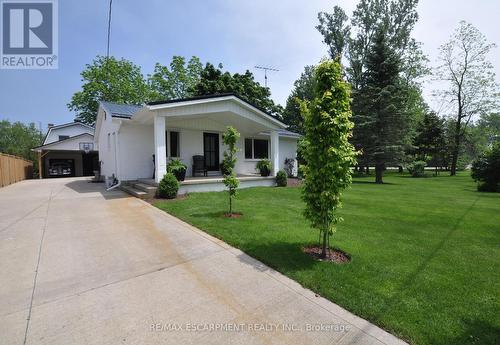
x=63, y=137
x=173, y=145
x=256, y=148
x=248, y=148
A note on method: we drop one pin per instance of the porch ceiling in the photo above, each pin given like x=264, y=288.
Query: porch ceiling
x=225, y=111
x=215, y=122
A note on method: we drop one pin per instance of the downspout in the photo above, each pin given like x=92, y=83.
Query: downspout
x=117, y=159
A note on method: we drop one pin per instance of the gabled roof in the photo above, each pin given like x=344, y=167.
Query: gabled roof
x=120, y=110
x=69, y=124
x=126, y=111
x=41, y=147
x=216, y=97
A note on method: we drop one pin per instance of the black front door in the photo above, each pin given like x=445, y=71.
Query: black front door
x=211, y=151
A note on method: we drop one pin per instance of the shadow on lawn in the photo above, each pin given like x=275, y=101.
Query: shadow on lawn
x=287, y=257
x=476, y=332
x=218, y=214
x=373, y=182
x=412, y=277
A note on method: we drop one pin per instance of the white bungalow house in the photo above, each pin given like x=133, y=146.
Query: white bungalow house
x=137, y=142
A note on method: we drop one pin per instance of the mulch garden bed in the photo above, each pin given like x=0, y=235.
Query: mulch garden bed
x=293, y=182
x=333, y=255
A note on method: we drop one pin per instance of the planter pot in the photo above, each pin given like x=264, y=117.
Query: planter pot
x=265, y=172
x=180, y=175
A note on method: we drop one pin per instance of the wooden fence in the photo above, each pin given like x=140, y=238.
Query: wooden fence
x=14, y=169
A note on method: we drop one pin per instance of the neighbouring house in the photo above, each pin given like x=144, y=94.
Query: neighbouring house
x=137, y=142
x=68, y=150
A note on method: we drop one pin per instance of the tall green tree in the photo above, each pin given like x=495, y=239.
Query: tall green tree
x=471, y=90
x=303, y=90
x=230, y=138
x=18, y=139
x=108, y=79
x=430, y=142
x=175, y=81
x=214, y=80
x=329, y=155
x=335, y=30
x=386, y=119
x=489, y=125
x=353, y=42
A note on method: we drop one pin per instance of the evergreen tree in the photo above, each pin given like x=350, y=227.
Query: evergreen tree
x=430, y=142
x=303, y=91
x=382, y=106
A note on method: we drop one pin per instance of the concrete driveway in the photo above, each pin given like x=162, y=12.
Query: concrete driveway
x=82, y=266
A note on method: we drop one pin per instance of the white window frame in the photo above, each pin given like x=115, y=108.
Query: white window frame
x=253, y=159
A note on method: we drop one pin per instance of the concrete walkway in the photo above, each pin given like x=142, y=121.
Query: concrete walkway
x=82, y=266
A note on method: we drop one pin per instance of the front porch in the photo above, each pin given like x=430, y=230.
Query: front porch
x=146, y=188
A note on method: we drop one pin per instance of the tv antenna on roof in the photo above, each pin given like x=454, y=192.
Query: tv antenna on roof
x=265, y=68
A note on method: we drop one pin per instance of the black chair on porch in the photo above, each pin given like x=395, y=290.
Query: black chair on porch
x=199, y=165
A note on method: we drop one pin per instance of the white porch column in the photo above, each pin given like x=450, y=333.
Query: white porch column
x=160, y=149
x=275, y=152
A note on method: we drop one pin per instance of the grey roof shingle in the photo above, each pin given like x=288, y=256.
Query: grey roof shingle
x=121, y=110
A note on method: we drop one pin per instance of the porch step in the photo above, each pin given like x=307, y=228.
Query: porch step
x=135, y=192
x=145, y=188
x=147, y=181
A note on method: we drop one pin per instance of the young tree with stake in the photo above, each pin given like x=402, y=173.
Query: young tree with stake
x=329, y=155
x=230, y=138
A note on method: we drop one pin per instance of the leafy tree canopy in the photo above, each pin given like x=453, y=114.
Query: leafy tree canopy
x=471, y=88
x=328, y=154
x=176, y=81
x=18, y=139
x=352, y=40
x=108, y=79
x=214, y=80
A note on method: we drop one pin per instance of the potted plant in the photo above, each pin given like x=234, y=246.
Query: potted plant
x=178, y=168
x=264, y=166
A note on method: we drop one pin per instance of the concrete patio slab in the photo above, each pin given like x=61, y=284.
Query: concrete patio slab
x=79, y=265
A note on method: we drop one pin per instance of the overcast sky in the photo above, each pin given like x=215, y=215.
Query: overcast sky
x=240, y=34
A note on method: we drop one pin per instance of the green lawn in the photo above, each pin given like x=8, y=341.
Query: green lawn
x=425, y=252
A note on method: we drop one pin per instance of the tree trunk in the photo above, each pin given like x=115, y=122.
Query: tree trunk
x=458, y=128
x=456, y=149
x=379, y=170
x=367, y=170
x=400, y=169
x=323, y=251
x=230, y=205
